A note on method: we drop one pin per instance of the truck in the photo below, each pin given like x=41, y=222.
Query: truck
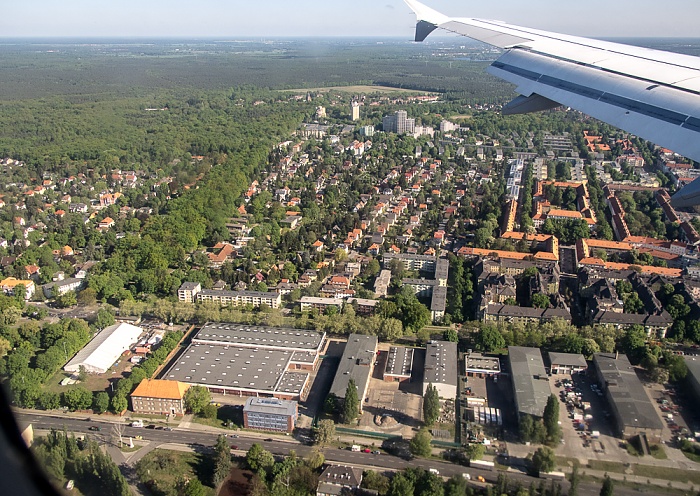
x=484, y=465
x=137, y=423
x=355, y=447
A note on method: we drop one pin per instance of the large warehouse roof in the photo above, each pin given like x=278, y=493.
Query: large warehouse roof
x=356, y=364
x=105, y=348
x=261, y=370
x=259, y=336
x=530, y=380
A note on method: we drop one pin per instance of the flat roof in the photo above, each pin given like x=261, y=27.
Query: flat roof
x=399, y=363
x=478, y=363
x=570, y=359
x=236, y=367
x=626, y=391
x=271, y=406
x=440, y=363
x=693, y=364
x=439, y=301
x=224, y=334
x=530, y=380
x=355, y=364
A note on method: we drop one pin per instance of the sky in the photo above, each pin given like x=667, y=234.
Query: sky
x=230, y=19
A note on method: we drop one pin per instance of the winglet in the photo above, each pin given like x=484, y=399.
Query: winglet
x=428, y=19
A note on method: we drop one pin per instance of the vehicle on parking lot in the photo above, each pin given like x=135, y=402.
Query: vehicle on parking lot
x=151, y=426
x=233, y=435
x=467, y=476
x=377, y=452
x=355, y=447
x=481, y=479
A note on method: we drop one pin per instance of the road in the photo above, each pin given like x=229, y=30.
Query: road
x=203, y=441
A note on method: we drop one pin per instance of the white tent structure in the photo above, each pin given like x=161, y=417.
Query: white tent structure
x=104, y=349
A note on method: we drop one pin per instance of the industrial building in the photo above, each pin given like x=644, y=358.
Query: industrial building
x=356, y=363
x=399, y=364
x=159, y=397
x=478, y=365
x=632, y=409
x=441, y=368
x=248, y=360
x=566, y=363
x=105, y=349
x=530, y=382
x=270, y=414
x=693, y=364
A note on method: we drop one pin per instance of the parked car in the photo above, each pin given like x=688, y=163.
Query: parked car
x=366, y=450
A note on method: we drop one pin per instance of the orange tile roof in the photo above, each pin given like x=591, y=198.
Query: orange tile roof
x=156, y=388
x=646, y=269
x=611, y=245
x=564, y=213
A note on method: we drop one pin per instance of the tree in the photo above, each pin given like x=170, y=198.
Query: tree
x=193, y=487
x=50, y=401
x=316, y=459
x=103, y=319
x=78, y=398
x=540, y=300
x=489, y=339
x=259, y=458
x=431, y=405
x=66, y=300
x=451, y=335
x=608, y=488
x=196, y=398
x=551, y=419
x=119, y=403
x=100, y=402
x=543, y=460
x=456, y=486
x=474, y=451
x=351, y=405
x=375, y=481
x=574, y=480
x=390, y=329
x=401, y=486
x=325, y=432
x=420, y=444
x=82, y=373
x=222, y=460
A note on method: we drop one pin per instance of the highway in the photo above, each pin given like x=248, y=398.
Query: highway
x=203, y=441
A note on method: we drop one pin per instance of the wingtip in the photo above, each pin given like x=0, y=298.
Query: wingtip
x=428, y=19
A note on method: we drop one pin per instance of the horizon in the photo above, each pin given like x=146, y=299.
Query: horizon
x=161, y=18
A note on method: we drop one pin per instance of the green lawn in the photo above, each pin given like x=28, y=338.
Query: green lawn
x=658, y=452
x=665, y=473
x=162, y=470
x=607, y=466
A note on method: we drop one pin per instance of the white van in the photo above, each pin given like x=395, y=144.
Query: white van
x=137, y=423
x=434, y=471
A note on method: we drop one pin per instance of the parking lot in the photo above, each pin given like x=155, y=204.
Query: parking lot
x=582, y=411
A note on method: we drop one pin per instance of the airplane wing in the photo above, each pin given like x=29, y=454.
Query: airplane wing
x=650, y=93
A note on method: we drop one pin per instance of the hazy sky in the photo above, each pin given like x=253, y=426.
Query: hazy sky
x=267, y=18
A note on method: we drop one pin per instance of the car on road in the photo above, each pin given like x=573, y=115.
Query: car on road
x=434, y=471
x=168, y=429
x=366, y=450
x=377, y=452
x=268, y=440
x=233, y=435
x=481, y=479
x=151, y=426
x=234, y=447
x=94, y=428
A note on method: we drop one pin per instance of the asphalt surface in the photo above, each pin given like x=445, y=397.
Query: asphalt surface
x=204, y=441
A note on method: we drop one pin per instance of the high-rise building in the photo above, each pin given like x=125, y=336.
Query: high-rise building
x=355, y=111
x=399, y=123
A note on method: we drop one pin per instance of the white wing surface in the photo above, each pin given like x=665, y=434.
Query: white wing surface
x=650, y=93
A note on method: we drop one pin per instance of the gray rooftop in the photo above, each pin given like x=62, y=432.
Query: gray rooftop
x=478, y=363
x=235, y=294
x=442, y=268
x=399, y=362
x=570, y=359
x=693, y=364
x=238, y=368
x=626, y=391
x=270, y=406
x=530, y=380
x=189, y=286
x=439, y=301
x=441, y=363
x=259, y=337
x=355, y=363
